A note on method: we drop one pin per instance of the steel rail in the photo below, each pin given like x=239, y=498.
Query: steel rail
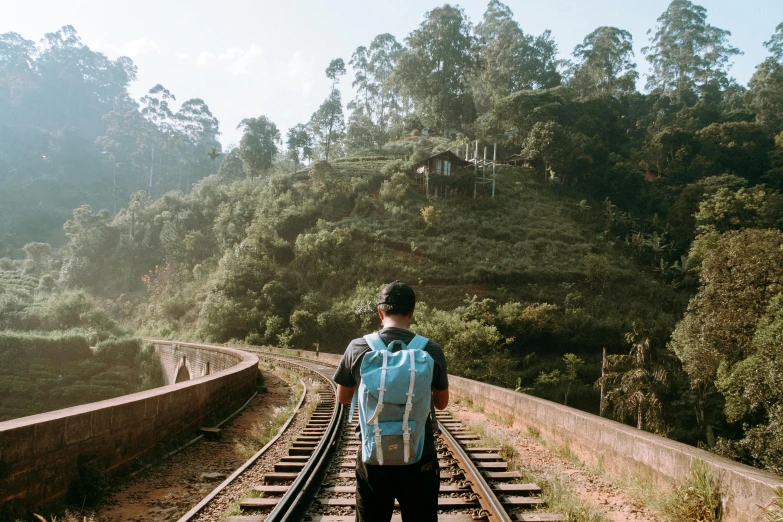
x=195, y=510
x=490, y=504
x=487, y=498
x=296, y=501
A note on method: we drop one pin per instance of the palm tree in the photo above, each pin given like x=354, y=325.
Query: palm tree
x=637, y=382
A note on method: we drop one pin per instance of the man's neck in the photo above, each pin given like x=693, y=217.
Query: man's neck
x=395, y=321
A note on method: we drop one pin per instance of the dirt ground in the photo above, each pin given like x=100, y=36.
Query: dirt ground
x=168, y=490
x=593, y=490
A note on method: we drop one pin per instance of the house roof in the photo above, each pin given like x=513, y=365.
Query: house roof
x=444, y=155
x=517, y=157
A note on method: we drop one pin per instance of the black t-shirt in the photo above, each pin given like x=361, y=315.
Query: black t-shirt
x=348, y=372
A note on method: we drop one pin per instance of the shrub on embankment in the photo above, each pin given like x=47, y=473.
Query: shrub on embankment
x=43, y=372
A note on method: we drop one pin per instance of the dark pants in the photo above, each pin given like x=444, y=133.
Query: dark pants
x=415, y=487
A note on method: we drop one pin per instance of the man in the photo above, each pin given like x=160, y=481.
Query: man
x=415, y=486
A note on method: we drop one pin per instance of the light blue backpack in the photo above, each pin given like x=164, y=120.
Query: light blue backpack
x=394, y=399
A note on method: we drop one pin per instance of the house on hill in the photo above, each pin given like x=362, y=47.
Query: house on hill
x=519, y=160
x=440, y=171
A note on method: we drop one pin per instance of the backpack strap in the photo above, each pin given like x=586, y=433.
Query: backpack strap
x=375, y=342
x=374, y=419
x=418, y=343
x=406, y=430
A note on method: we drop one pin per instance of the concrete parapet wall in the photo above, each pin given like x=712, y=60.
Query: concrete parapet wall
x=39, y=454
x=623, y=450
x=327, y=358
x=620, y=449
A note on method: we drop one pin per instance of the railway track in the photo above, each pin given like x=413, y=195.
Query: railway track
x=315, y=480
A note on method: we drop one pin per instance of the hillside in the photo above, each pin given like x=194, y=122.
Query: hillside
x=46, y=335
x=296, y=259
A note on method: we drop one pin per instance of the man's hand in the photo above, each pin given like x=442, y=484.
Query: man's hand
x=345, y=394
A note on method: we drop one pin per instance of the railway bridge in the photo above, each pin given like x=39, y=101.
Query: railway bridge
x=40, y=455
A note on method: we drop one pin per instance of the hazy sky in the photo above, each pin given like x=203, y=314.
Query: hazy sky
x=247, y=58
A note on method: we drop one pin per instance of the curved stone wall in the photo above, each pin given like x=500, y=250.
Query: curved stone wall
x=182, y=361
x=40, y=454
x=620, y=449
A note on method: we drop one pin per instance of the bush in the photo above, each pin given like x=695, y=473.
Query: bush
x=62, y=348
x=391, y=167
x=697, y=498
x=119, y=351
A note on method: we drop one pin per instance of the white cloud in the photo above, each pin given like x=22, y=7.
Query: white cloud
x=136, y=48
x=240, y=61
x=132, y=49
x=182, y=56
x=302, y=71
x=204, y=59
x=296, y=64
x=307, y=89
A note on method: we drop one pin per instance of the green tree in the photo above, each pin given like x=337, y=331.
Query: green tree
x=335, y=70
x=299, y=142
x=605, y=64
x=17, y=77
x=437, y=66
x=510, y=60
x=557, y=146
x=727, y=210
x=156, y=111
x=775, y=44
x=258, y=146
x=754, y=390
x=741, y=271
x=196, y=132
x=328, y=122
x=563, y=383
x=377, y=101
x=686, y=52
x=765, y=94
x=636, y=382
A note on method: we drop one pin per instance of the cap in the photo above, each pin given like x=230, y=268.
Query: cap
x=398, y=293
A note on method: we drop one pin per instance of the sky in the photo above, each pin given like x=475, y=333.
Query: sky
x=250, y=58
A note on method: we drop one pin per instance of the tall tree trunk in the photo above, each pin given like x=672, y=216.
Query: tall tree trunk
x=152, y=168
x=639, y=417
x=604, y=366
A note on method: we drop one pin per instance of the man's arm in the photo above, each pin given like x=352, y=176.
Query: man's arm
x=345, y=394
x=440, y=398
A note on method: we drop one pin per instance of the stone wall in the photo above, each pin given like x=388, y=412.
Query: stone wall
x=39, y=454
x=621, y=450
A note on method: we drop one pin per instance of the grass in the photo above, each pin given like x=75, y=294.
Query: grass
x=697, y=498
x=534, y=433
x=774, y=510
x=234, y=509
x=557, y=494
x=262, y=432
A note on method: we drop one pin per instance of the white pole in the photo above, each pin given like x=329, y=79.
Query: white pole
x=494, y=160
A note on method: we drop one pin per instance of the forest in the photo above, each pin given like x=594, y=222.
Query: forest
x=649, y=227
